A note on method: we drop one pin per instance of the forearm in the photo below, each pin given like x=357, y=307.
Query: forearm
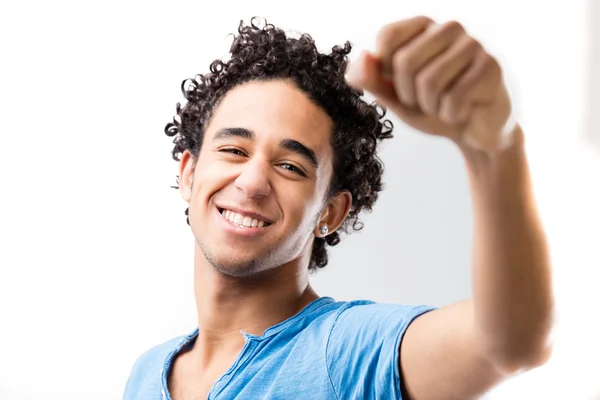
x=512, y=291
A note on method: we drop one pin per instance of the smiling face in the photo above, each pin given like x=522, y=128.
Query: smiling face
x=257, y=192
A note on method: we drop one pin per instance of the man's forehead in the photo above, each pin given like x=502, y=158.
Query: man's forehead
x=274, y=108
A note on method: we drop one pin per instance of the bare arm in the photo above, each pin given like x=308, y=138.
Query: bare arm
x=512, y=291
x=463, y=350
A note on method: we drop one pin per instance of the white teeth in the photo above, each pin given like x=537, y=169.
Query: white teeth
x=241, y=220
x=231, y=216
x=247, y=221
x=237, y=219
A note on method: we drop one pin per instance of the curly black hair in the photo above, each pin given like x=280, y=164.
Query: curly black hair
x=266, y=53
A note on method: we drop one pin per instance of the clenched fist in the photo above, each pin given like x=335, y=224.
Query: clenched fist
x=439, y=80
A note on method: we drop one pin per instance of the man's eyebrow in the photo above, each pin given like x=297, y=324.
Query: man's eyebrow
x=225, y=133
x=300, y=149
x=289, y=144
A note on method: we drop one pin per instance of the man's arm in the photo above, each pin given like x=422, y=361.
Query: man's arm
x=439, y=80
x=463, y=350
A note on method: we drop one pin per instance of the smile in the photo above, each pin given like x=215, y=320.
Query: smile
x=241, y=220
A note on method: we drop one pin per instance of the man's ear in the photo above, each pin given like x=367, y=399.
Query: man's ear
x=186, y=174
x=335, y=212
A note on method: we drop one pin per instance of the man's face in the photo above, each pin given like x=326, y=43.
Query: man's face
x=259, y=184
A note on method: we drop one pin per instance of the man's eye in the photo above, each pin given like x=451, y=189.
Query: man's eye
x=233, y=151
x=293, y=168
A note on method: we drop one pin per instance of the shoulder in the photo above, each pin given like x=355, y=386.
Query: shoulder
x=370, y=326
x=363, y=347
x=155, y=355
x=146, y=373
x=365, y=313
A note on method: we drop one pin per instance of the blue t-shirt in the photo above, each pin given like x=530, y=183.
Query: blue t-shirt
x=330, y=350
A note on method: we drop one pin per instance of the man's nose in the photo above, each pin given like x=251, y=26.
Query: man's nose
x=254, y=179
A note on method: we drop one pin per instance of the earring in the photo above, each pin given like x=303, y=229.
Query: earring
x=324, y=229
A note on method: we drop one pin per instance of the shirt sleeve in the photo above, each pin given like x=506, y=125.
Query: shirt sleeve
x=363, y=349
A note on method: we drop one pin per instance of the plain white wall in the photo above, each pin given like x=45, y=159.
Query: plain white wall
x=95, y=255
x=592, y=63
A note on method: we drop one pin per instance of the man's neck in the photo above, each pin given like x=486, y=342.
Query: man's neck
x=227, y=305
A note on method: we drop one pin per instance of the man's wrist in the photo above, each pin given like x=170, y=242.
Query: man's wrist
x=501, y=161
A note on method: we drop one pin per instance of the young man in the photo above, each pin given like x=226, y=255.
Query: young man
x=277, y=154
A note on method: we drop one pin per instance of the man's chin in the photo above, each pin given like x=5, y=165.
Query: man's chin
x=236, y=268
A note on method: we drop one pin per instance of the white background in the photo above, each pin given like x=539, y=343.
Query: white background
x=95, y=255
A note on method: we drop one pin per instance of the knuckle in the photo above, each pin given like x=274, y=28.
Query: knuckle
x=492, y=64
x=452, y=102
x=428, y=84
x=424, y=20
x=403, y=63
x=472, y=45
x=452, y=26
x=385, y=35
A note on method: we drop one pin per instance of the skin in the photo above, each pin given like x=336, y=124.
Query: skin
x=441, y=81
